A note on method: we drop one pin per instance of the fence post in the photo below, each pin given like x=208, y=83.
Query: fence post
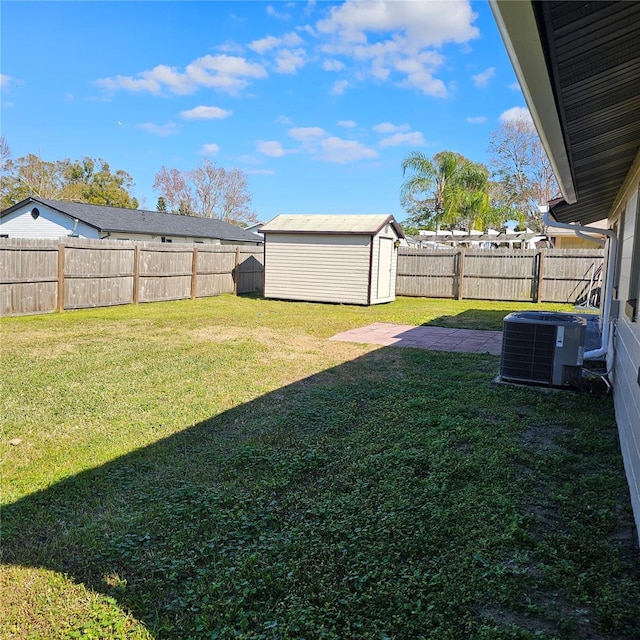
x=61, y=258
x=460, y=273
x=236, y=272
x=194, y=273
x=136, y=274
x=540, y=288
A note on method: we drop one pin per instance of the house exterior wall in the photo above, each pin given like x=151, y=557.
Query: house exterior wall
x=570, y=242
x=52, y=224
x=624, y=356
x=317, y=267
x=144, y=237
x=49, y=225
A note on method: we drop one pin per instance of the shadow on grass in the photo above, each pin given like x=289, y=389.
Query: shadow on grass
x=484, y=319
x=399, y=495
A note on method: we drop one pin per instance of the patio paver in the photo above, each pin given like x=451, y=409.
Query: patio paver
x=424, y=337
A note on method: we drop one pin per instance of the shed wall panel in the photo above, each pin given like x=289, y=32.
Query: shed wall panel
x=320, y=268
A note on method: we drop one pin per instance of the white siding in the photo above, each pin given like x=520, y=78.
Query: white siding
x=147, y=237
x=378, y=296
x=319, y=268
x=626, y=360
x=50, y=224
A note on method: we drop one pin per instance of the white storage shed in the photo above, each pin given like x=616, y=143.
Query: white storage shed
x=331, y=258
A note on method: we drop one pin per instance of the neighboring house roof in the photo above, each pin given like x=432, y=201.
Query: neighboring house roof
x=369, y=224
x=578, y=64
x=119, y=220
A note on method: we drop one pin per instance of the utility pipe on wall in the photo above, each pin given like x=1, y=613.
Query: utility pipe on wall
x=605, y=313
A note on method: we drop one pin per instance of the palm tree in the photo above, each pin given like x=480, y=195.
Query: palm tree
x=456, y=189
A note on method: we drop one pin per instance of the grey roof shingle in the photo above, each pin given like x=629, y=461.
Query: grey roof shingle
x=115, y=219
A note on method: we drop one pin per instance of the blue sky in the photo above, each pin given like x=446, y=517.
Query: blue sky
x=318, y=102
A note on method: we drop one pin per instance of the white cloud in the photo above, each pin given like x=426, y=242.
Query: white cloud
x=275, y=14
x=423, y=23
x=289, y=61
x=516, y=113
x=340, y=151
x=205, y=113
x=396, y=41
x=291, y=39
x=482, y=79
x=222, y=72
x=264, y=44
x=271, y=148
x=321, y=145
x=419, y=74
x=514, y=86
x=413, y=139
x=210, y=149
x=305, y=134
x=284, y=120
x=4, y=80
x=388, y=127
x=477, y=119
x=163, y=130
x=348, y=124
x=333, y=65
x=230, y=47
x=339, y=87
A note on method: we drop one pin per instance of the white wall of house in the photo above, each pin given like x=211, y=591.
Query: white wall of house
x=317, y=267
x=49, y=224
x=624, y=356
x=147, y=237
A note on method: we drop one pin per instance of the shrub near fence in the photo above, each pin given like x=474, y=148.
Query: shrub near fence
x=547, y=275
x=39, y=276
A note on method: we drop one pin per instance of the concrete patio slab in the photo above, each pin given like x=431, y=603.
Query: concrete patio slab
x=423, y=337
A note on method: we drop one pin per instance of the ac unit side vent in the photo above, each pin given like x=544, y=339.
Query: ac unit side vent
x=527, y=352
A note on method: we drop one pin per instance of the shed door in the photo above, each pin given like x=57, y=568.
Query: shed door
x=385, y=254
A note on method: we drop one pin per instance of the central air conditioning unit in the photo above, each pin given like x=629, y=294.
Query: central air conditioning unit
x=542, y=347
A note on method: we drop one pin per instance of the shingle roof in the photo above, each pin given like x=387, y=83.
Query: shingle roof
x=115, y=219
x=579, y=67
x=331, y=224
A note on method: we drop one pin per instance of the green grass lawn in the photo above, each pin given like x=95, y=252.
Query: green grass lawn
x=218, y=469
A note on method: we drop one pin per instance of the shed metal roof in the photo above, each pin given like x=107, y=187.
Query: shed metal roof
x=119, y=220
x=368, y=224
x=578, y=64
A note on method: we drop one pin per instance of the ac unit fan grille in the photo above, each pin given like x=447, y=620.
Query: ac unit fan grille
x=528, y=351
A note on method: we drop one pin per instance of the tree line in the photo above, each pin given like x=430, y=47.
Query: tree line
x=450, y=191
x=207, y=191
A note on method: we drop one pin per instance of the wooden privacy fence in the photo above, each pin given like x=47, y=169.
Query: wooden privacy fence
x=38, y=276
x=547, y=275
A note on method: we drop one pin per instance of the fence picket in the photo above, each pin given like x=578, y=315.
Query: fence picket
x=91, y=273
